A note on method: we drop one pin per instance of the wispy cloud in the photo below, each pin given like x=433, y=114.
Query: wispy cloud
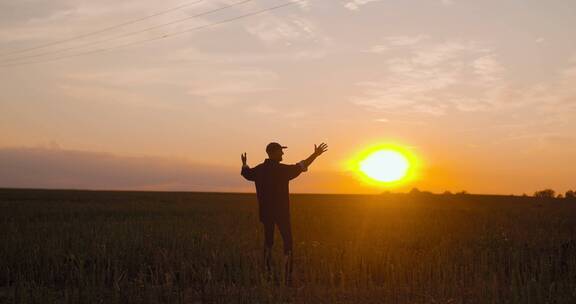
x=286, y=31
x=448, y=2
x=396, y=121
x=392, y=42
x=356, y=4
x=262, y=109
x=431, y=77
x=488, y=68
x=232, y=86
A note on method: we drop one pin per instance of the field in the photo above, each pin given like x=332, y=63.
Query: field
x=146, y=247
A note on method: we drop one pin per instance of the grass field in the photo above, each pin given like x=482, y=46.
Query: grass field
x=138, y=247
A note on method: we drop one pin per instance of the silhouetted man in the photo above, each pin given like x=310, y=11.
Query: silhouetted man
x=271, y=178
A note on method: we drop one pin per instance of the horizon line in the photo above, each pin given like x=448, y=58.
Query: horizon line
x=425, y=192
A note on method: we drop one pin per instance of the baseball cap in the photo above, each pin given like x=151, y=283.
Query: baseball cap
x=273, y=146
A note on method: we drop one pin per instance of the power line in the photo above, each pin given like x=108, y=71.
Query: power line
x=101, y=30
x=157, y=38
x=16, y=59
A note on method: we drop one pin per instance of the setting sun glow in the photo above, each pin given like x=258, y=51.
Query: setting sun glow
x=388, y=165
x=385, y=166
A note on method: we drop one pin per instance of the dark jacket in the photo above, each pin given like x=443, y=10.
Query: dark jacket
x=271, y=178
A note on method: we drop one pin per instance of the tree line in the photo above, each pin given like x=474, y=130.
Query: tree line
x=549, y=193
x=546, y=193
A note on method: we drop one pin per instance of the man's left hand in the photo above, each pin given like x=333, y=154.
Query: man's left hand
x=318, y=150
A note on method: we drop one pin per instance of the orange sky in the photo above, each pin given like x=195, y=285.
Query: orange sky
x=481, y=91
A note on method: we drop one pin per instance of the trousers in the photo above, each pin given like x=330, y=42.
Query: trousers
x=285, y=231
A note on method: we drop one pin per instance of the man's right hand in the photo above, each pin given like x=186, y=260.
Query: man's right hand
x=243, y=157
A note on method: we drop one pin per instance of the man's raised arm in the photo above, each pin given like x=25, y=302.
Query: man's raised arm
x=318, y=150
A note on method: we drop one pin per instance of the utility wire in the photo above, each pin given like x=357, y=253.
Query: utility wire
x=157, y=38
x=16, y=59
x=101, y=30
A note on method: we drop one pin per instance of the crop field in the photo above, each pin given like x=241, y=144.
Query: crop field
x=154, y=247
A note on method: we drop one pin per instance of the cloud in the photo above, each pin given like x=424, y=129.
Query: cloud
x=128, y=76
x=396, y=121
x=488, y=68
x=392, y=42
x=304, y=4
x=29, y=20
x=356, y=4
x=97, y=93
x=69, y=169
x=230, y=89
x=29, y=23
x=147, y=86
x=262, y=109
x=424, y=75
x=447, y=2
x=286, y=31
x=554, y=100
x=28, y=11
x=430, y=77
x=231, y=86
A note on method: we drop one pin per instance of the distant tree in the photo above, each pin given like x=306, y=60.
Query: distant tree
x=414, y=191
x=546, y=193
x=571, y=195
x=463, y=192
x=447, y=193
x=560, y=196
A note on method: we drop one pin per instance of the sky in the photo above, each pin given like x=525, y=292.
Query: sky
x=482, y=92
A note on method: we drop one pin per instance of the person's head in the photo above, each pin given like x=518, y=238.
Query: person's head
x=274, y=151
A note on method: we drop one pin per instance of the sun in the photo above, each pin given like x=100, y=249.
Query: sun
x=388, y=165
x=385, y=166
